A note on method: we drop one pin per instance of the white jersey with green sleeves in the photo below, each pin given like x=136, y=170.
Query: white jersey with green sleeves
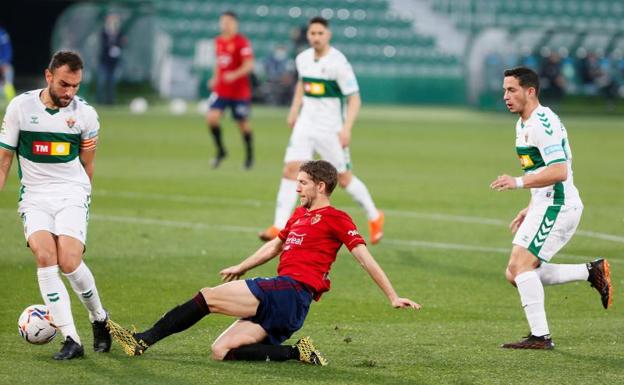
x=542, y=140
x=47, y=144
x=326, y=83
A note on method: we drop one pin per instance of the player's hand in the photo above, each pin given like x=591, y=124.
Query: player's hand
x=517, y=221
x=292, y=119
x=229, y=77
x=211, y=83
x=405, y=303
x=503, y=182
x=345, y=138
x=231, y=273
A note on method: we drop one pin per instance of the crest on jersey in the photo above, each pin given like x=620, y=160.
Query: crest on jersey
x=71, y=122
x=316, y=219
x=526, y=161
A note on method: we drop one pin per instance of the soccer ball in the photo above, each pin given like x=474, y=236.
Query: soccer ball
x=177, y=106
x=35, y=325
x=138, y=106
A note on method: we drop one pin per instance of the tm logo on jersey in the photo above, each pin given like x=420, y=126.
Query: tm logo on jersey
x=50, y=148
x=314, y=88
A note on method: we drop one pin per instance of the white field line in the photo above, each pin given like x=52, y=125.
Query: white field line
x=396, y=213
x=390, y=242
x=399, y=243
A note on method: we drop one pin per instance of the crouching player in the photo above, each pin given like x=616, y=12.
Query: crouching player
x=270, y=310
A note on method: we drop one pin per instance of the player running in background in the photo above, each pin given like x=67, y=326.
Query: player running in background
x=54, y=135
x=270, y=310
x=231, y=86
x=319, y=124
x=549, y=221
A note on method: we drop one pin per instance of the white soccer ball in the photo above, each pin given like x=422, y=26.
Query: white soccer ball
x=138, y=105
x=177, y=106
x=35, y=325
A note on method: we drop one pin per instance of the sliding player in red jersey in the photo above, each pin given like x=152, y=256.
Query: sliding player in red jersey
x=270, y=310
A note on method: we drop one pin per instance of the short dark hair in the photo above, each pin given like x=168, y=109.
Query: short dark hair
x=319, y=20
x=231, y=14
x=321, y=171
x=526, y=77
x=61, y=58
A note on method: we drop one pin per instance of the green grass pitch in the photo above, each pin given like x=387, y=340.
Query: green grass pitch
x=163, y=224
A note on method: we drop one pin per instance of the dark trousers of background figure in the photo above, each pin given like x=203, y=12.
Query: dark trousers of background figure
x=106, y=83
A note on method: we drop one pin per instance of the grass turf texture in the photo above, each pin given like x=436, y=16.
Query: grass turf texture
x=163, y=224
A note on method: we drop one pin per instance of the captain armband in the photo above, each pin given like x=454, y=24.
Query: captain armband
x=88, y=144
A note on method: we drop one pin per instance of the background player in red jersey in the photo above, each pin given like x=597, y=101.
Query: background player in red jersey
x=270, y=310
x=231, y=86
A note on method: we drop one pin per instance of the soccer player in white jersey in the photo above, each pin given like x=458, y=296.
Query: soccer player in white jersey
x=320, y=124
x=54, y=135
x=549, y=221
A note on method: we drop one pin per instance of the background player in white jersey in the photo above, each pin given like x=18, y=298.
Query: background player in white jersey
x=54, y=135
x=320, y=125
x=551, y=218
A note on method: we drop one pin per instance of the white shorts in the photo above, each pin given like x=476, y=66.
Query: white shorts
x=57, y=215
x=303, y=144
x=546, y=229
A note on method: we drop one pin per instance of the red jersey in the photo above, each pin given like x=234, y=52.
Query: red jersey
x=231, y=53
x=311, y=241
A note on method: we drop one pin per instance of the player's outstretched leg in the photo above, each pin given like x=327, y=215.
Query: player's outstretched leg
x=175, y=320
x=600, y=279
x=127, y=339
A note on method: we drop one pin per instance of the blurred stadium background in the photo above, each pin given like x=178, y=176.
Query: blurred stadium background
x=449, y=52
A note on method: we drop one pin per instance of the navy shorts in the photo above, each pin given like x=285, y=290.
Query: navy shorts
x=284, y=305
x=241, y=109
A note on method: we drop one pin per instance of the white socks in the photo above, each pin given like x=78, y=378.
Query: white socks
x=358, y=191
x=57, y=300
x=286, y=200
x=553, y=274
x=83, y=283
x=532, y=298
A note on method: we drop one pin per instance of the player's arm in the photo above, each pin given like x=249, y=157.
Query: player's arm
x=517, y=221
x=6, y=158
x=213, y=79
x=244, y=70
x=364, y=257
x=354, y=102
x=264, y=254
x=295, y=107
x=557, y=172
x=87, y=156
